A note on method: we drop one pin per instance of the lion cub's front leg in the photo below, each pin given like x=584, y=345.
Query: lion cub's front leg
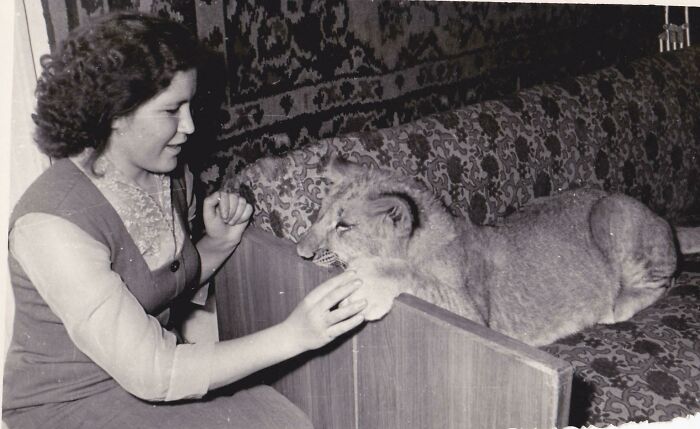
x=384, y=279
x=381, y=283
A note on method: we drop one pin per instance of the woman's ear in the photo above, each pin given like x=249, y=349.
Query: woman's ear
x=118, y=125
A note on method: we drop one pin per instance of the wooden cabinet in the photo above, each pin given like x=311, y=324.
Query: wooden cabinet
x=419, y=367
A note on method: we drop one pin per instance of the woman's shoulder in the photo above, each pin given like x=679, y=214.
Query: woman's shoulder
x=62, y=187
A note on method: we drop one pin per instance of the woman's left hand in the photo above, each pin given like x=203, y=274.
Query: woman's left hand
x=226, y=216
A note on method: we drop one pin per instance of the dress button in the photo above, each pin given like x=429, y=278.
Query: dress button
x=174, y=266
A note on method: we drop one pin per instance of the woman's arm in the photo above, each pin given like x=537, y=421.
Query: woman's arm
x=311, y=325
x=226, y=216
x=72, y=273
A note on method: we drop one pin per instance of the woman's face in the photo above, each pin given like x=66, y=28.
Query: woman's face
x=149, y=139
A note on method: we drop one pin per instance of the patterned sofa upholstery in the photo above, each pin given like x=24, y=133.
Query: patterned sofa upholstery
x=647, y=368
x=633, y=128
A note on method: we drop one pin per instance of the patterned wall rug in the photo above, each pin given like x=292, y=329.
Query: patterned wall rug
x=290, y=72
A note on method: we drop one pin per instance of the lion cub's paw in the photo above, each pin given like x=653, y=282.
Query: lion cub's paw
x=378, y=288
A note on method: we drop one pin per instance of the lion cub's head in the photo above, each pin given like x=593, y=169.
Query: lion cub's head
x=368, y=213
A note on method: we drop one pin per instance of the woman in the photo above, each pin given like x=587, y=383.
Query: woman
x=99, y=250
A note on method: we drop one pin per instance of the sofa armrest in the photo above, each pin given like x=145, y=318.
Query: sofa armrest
x=421, y=366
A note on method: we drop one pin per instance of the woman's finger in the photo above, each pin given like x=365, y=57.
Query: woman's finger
x=321, y=290
x=211, y=204
x=232, y=203
x=237, y=205
x=247, y=213
x=342, y=313
x=224, y=205
x=338, y=294
x=346, y=325
x=236, y=214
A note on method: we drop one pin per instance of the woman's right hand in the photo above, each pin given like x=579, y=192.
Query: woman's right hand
x=312, y=324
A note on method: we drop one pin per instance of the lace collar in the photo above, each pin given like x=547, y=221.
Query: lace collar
x=149, y=218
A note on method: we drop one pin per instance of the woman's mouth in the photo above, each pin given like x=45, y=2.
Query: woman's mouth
x=174, y=148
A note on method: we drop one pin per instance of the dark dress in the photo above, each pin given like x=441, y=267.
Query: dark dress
x=50, y=383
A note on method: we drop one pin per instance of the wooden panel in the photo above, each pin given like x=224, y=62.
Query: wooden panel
x=421, y=366
x=259, y=286
x=424, y=367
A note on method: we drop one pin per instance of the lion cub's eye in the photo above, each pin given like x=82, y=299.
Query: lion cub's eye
x=342, y=227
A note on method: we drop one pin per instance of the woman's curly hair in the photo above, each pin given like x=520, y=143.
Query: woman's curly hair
x=104, y=70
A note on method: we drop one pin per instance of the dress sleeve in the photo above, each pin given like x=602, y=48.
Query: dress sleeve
x=72, y=273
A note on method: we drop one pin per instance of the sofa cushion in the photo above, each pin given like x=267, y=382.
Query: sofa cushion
x=632, y=128
x=647, y=368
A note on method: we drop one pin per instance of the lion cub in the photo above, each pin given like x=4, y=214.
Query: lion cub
x=559, y=265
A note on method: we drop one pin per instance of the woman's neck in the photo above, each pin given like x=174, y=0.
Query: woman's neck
x=144, y=179
x=140, y=177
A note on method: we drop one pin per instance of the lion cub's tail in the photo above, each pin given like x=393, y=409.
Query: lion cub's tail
x=688, y=239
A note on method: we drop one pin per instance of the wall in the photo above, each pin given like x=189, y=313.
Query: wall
x=6, y=303
x=23, y=38
x=291, y=71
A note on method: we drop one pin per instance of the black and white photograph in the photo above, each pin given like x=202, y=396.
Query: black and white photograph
x=350, y=214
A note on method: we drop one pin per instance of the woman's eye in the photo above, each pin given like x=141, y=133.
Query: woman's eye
x=173, y=111
x=343, y=227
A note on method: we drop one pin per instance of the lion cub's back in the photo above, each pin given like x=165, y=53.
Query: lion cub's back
x=549, y=268
x=552, y=224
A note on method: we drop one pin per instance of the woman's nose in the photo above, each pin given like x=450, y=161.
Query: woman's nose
x=185, y=124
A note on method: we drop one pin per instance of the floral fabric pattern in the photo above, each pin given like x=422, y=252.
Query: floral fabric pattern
x=290, y=72
x=633, y=128
x=647, y=368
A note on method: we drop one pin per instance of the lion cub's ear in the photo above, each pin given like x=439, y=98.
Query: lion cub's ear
x=339, y=170
x=398, y=211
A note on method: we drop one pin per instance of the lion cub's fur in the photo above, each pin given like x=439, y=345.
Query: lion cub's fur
x=559, y=265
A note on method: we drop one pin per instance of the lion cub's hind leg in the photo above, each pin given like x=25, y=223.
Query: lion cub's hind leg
x=640, y=248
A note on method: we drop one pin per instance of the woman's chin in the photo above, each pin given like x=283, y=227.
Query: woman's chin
x=165, y=166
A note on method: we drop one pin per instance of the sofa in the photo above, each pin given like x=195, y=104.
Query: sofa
x=632, y=128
